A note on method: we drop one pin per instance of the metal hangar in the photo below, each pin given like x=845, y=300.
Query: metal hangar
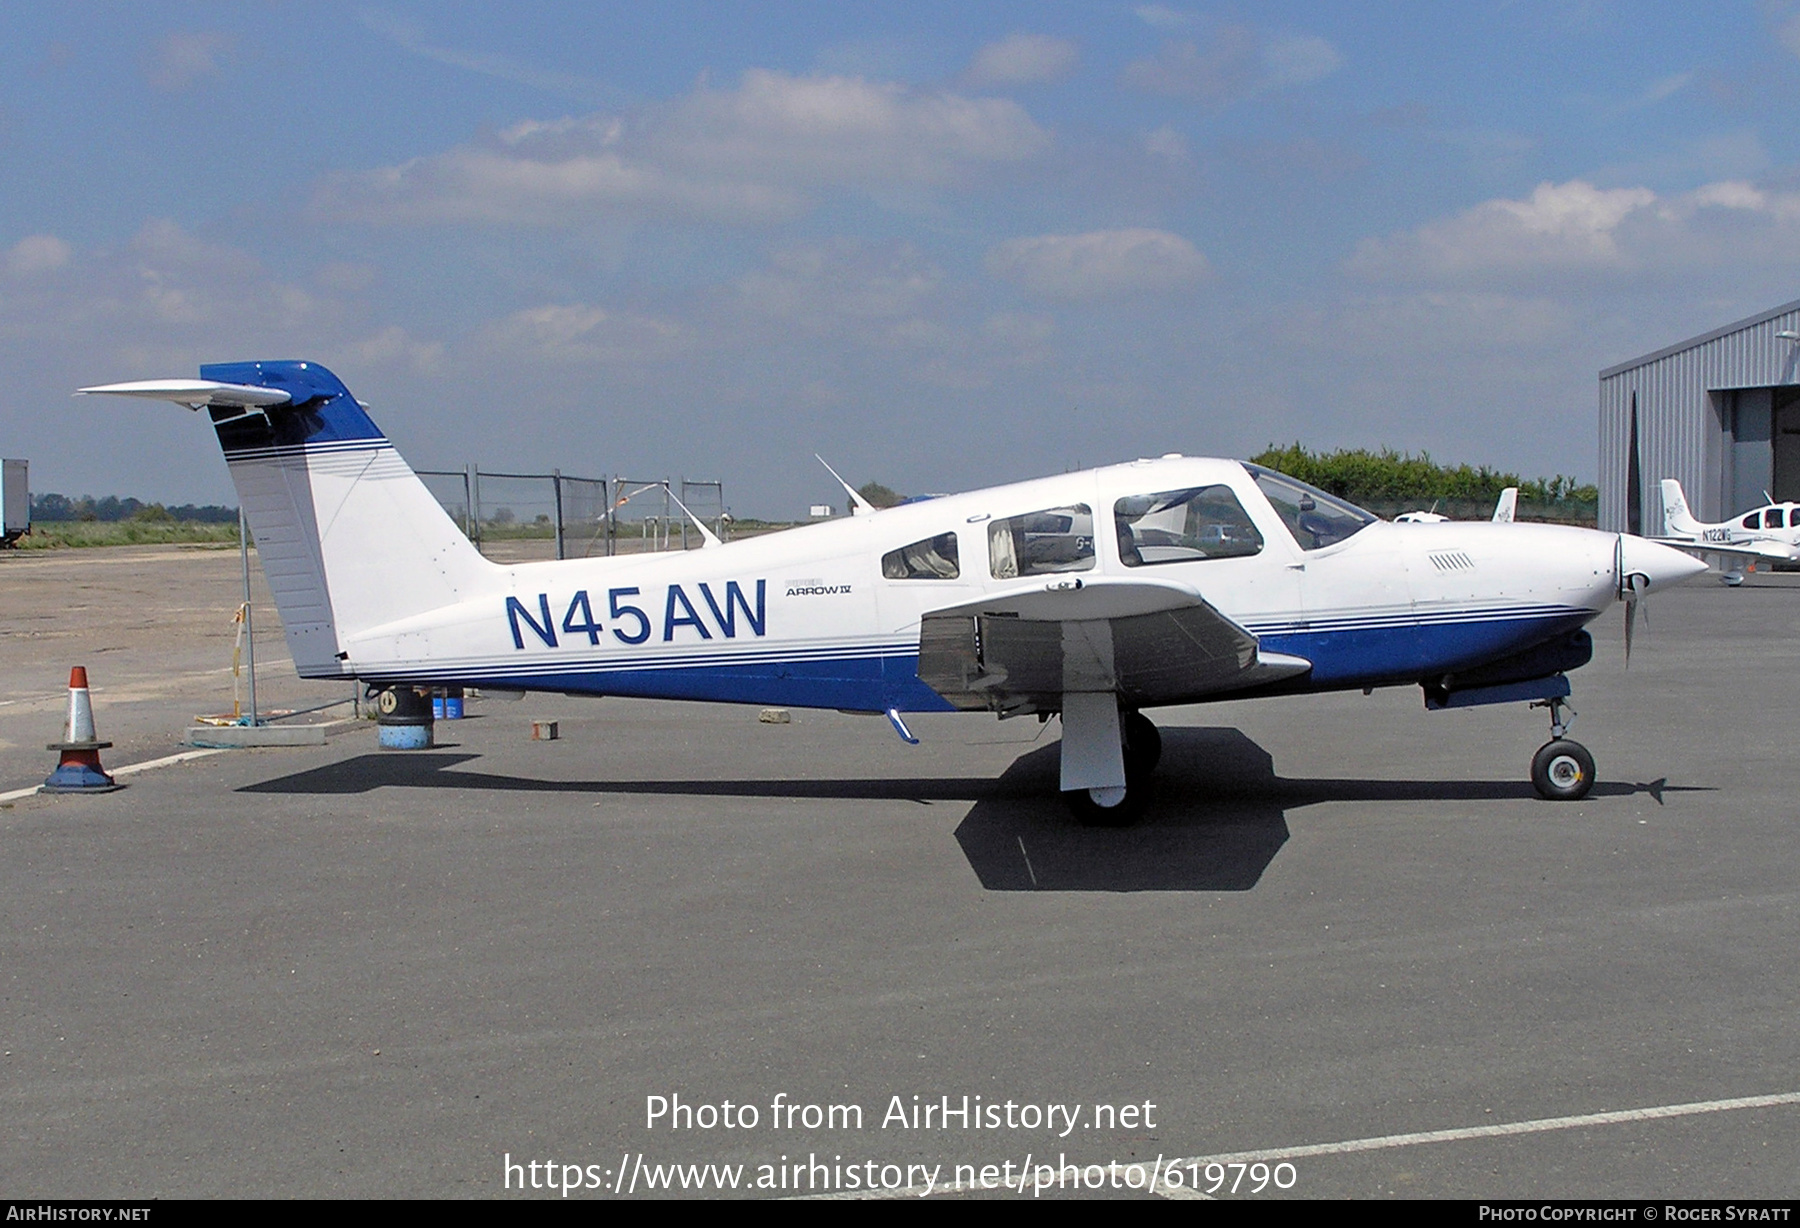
x=1720, y=412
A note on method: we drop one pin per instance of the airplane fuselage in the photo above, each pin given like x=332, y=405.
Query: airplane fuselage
x=816, y=617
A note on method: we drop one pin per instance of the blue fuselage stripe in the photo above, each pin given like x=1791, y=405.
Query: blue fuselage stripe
x=865, y=681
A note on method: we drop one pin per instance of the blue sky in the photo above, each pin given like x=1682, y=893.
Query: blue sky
x=943, y=246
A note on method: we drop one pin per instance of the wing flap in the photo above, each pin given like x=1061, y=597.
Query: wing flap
x=1150, y=643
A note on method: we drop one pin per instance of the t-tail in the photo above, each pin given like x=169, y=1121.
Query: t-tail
x=1676, y=517
x=349, y=537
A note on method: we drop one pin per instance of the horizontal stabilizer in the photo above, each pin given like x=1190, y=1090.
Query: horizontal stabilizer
x=194, y=393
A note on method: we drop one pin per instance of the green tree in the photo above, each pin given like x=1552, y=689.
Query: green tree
x=878, y=495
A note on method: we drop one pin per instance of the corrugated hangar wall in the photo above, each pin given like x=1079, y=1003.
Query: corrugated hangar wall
x=1697, y=407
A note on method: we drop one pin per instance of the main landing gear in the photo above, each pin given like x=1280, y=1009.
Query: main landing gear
x=1562, y=770
x=1140, y=746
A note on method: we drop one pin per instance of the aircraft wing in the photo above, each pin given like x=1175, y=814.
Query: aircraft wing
x=1779, y=552
x=1148, y=641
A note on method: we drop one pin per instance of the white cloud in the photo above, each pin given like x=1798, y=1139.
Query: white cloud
x=393, y=346
x=37, y=254
x=582, y=333
x=168, y=299
x=1375, y=328
x=1789, y=34
x=1169, y=145
x=1720, y=229
x=1666, y=87
x=877, y=293
x=1098, y=264
x=1163, y=17
x=1717, y=155
x=182, y=61
x=848, y=302
x=410, y=37
x=1299, y=58
x=1560, y=226
x=754, y=153
x=1022, y=59
x=1236, y=62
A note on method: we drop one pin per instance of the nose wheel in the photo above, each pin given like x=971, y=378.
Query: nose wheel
x=1562, y=770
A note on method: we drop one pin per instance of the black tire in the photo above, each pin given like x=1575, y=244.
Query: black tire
x=1562, y=771
x=1143, y=744
x=1090, y=813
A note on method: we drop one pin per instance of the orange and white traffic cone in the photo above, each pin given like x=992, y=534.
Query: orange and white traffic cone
x=80, y=770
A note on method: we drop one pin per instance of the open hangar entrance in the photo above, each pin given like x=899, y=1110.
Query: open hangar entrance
x=1719, y=412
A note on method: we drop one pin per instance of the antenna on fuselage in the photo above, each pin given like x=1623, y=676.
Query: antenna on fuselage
x=707, y=536
x=858, y=504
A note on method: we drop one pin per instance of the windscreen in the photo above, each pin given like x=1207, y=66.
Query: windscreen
x=1315, y=518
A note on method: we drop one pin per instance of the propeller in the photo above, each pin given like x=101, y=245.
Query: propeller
x=1632, y=588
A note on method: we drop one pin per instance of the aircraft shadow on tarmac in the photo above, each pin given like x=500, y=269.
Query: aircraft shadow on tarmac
x=1218, y=818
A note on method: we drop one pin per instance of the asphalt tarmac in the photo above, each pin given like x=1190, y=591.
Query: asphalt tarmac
x=1345, y=923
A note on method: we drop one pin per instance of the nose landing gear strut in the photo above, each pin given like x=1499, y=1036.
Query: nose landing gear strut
x=1562, y=770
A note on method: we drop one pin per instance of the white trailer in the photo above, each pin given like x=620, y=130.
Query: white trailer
x=15, y=500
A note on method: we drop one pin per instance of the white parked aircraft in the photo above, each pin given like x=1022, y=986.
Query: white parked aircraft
x=1770, y=533
x=1503, y=511
x=1096, y=595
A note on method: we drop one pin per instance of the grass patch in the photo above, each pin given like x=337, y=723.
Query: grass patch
x=78, y=534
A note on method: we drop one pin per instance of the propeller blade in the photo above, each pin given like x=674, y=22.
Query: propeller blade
x=1634, y=593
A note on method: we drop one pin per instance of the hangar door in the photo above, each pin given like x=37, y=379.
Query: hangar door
x=1762, y=450
x=1785, y=407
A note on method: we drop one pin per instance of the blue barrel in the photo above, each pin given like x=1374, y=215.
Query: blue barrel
x=403, y=719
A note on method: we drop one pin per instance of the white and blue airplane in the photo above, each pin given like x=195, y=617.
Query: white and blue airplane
x=1769, y=534
x=1095, y=595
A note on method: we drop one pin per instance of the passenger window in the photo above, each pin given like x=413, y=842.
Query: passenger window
x=1042, y=543
x=1772, y=518
x=1181, y=526
x=1751, y=521
x=931, y=559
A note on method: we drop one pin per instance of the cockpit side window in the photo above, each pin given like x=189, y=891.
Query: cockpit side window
x=1042, y=543
x=1752, y=521
x=1181, y=526
x=1772, y=518
x=1315, y=518
x=932, y=559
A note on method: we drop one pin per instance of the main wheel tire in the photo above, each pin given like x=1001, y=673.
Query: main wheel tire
x=1143, y=744
x=1562, y=771
x=1109, y=807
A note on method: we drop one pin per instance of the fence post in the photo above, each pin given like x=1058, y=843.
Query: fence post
x=556, y=490
x=473, y=479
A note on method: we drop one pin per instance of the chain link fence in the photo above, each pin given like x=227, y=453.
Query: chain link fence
x=585, y=517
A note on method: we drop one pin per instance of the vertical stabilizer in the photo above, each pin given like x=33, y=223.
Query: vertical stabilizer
x=348, y=535
x=1676, y=516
